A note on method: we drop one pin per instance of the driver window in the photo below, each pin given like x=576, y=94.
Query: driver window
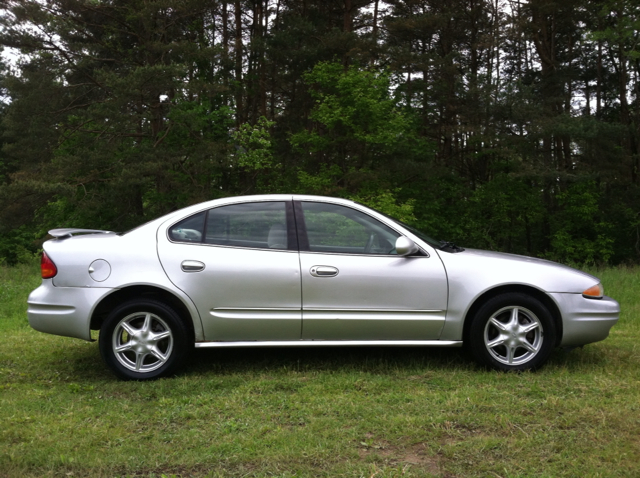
x=334, y=228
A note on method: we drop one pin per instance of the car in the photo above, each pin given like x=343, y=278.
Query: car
x=297, y=270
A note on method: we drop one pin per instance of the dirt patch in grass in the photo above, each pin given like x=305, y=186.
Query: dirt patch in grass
x=414, y=456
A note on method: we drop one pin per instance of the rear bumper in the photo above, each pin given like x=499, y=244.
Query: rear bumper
x=63, y=311
x=585, y=320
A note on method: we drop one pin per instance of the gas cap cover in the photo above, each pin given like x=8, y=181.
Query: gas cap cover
x=99, y=270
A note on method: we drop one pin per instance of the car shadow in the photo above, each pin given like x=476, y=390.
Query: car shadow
x=82, y=361
x=575, y=358
x=374, y=359
x=86, y=365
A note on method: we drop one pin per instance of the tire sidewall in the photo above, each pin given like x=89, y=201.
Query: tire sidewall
x=476, y=333
x=167, y=314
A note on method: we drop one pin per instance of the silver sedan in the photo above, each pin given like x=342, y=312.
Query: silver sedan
x=289, y=270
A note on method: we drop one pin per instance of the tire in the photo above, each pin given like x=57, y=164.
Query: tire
x=143, y=340
x=512, y=332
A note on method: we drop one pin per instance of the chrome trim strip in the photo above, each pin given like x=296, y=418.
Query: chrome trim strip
x=266, y=309
x=255, y=314
x=333, y=343
x=383, y=311
x=221, y=310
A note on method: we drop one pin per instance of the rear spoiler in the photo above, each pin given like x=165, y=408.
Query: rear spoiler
x=69, y=232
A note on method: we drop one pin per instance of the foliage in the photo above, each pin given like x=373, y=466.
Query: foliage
x=355, y=123
x=512, y=126
x=505, y=214
x=19, y=246
x=581, y=234
x=254, y=145
x=387, y=202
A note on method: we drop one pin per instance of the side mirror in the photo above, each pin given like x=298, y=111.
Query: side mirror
x=405, y=246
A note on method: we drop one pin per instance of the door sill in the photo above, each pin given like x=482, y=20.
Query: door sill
x=333, y=343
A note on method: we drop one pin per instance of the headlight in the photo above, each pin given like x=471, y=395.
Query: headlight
x=595, y=292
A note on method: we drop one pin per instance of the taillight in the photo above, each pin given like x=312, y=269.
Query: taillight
x=47, y=268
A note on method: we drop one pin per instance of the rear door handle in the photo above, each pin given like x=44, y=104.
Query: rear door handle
x=192, y=266
x=323, y=271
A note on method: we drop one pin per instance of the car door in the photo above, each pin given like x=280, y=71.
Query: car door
x=356, y=287
x=239, y=264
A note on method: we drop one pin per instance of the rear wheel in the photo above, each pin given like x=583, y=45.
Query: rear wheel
x=143, y=339
x=512, y=331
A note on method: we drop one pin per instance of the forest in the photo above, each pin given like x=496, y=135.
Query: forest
x=511, y=125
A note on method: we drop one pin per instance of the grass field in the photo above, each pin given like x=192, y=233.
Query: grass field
x=367, y=412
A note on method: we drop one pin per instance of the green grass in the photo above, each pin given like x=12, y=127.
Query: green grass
x=380, y=412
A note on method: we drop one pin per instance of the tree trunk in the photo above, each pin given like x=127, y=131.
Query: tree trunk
x=238, y=62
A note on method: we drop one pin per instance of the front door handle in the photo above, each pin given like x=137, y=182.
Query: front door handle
x=323, y=271
x=192, y=266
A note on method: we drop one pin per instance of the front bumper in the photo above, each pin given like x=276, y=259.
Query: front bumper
x=63, y=310
x=585, y=320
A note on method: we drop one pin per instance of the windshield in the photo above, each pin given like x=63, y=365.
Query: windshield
x=429, y=240
x=442, y=245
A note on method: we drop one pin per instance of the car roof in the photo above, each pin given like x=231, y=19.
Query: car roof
x=256, y=198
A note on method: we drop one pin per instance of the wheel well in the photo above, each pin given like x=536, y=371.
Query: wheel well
x=538, y=294
x=136, y=292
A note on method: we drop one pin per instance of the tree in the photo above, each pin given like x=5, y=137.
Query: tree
x=457, y=115
x=135, y=129
x=356, y=130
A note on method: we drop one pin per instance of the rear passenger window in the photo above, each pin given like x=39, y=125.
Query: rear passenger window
x=258, y=225
x=189, y=229
x=261, y=225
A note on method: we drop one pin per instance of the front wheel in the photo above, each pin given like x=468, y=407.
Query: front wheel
x=143, y=340
x=512, y=331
